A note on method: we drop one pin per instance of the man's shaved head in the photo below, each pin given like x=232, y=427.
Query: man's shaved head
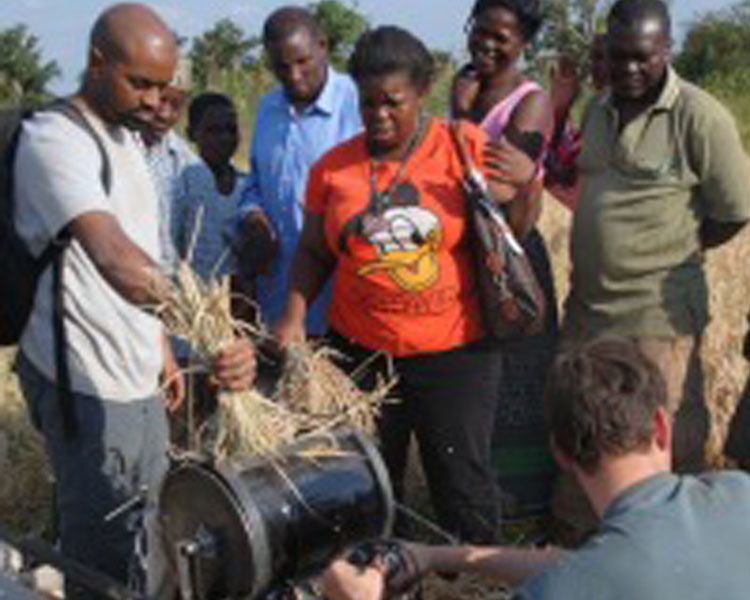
x=125, y=28
x=132, y=59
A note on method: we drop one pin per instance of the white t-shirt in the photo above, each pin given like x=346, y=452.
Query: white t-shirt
x=114, y=348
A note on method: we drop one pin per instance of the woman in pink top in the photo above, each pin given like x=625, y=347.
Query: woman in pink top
x=517, y=113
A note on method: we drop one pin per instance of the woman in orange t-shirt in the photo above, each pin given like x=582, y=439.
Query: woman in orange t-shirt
x=386, y=216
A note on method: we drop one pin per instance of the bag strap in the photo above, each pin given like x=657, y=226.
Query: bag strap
x=476, y=187
x=471, y=174
x=64, y=390
x=54, y=254
x=69, y=108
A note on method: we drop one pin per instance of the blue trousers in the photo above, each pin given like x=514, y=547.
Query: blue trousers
x=119, y=451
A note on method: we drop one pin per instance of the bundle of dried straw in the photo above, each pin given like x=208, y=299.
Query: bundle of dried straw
x=313, y=396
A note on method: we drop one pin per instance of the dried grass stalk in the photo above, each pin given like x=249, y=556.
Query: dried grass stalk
x=251, y=424
x=199, y=312
x=312, y=384
x=465, y=587
x=315, y=395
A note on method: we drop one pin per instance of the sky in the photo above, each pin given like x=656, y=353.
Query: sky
x=62, y=26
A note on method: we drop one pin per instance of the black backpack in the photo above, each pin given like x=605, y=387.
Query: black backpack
x=19, y=269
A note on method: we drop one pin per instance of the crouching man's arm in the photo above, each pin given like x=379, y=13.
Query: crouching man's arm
x=344, y=581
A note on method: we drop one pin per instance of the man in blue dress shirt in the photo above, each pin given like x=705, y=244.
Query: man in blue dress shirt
x=314, y=109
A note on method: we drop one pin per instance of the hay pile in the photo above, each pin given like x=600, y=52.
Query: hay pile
x=725, y=371
x=465, y=587
x=313, y=397
x=313, y=385
x=25, y=488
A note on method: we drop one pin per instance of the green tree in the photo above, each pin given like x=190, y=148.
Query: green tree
x=714, y=55
x=24, y=76
x=443, y=60
x=569, y=29
x=445, y=69
x=342, y=24
x=715, y=47
x=221, y=51
x=572, y=25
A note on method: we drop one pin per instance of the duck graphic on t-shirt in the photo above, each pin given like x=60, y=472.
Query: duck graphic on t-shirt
x=405, y=235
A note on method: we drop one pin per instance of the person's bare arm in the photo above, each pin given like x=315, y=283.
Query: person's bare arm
x=312, y=265
x=502, y=563
x=514, y=160
x=513, y=566
x=464, y=90
x=718, y=159
x=172, y=381
x=567, y=195
x=119, y=260
x=565, y=86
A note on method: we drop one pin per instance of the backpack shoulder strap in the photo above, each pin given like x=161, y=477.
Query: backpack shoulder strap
x=55, y=254
x=66, y=107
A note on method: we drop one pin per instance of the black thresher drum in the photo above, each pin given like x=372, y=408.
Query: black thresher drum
x=246, y=528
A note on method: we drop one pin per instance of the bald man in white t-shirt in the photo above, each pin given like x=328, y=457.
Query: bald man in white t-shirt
x=116, y=352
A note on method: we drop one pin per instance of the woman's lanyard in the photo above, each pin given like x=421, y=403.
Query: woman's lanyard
x=380, y=201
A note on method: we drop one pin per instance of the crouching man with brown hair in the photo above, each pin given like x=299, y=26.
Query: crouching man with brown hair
x=662, y=536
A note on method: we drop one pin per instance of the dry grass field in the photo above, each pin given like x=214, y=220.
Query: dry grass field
x=24, y=480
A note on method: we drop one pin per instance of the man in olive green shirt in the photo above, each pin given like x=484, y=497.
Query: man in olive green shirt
x=662, y=177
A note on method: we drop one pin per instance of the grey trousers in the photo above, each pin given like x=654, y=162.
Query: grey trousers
x=120, y=451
